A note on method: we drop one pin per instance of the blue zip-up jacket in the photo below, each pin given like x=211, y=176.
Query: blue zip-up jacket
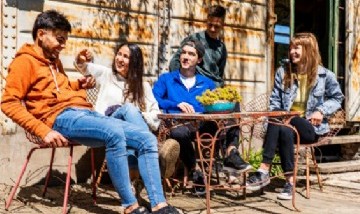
x=169, y=91
x=325, y=96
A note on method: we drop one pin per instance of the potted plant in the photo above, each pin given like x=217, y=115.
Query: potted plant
x=220, y=100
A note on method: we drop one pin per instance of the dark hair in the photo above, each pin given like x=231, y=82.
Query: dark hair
x=134, y=80
x=51, y=20
x=217, y=11
x=200, y=49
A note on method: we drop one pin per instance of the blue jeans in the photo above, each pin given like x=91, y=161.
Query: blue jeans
x=95, y=130
x=130, y=113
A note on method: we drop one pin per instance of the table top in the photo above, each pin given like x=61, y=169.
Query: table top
x=236, y=115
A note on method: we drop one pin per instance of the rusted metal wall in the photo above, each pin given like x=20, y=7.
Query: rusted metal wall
x=352, y=75
x=245, y=37
x=158, y=26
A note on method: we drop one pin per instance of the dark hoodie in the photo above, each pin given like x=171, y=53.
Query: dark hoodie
x=45, y=92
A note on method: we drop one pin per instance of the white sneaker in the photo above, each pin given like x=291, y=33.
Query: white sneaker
x=286, y=193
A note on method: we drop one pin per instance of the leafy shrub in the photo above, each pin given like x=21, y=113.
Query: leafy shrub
x=255, y=159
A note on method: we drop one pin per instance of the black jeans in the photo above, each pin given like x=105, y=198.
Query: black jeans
x=185, y=134
x=283, y=137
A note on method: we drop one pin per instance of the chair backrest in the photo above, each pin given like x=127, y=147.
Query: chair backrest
x=336, y=123
x=259, y=103
x=91, y=98
x=92, y=95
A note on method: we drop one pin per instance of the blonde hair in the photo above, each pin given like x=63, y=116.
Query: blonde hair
x=309, y=62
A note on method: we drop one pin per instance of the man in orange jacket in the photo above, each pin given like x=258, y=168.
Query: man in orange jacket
x=56, y=110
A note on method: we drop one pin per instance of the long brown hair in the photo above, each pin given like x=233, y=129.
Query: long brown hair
x=134, y=82
x=309, y=62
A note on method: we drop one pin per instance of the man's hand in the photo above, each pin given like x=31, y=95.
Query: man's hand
x=87, y=82
x=186, y=107
x=55, y=139
x=316, y=118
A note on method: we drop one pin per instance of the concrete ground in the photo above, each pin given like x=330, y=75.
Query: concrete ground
x=341, y=195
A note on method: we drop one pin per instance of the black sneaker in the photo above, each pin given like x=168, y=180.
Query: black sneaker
x=198, y=179
x=286, y=193
x=235, y=163
x=167, y=210
x=257, y=181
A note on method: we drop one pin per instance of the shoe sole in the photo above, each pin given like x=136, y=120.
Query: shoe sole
x=169, y=155
x=233, y=170
x=199, y=193
x=258, y=186
x=284, y=197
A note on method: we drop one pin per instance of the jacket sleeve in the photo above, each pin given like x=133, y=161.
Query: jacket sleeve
x=275, y=97
x=152, y=108
x=175, y=61
x=160, y=93
x=223, y=63
x=18, y=83
x=333, y=95
x=75, y=85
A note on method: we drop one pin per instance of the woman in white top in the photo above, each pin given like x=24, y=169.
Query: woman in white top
x=123, y=87
x=124, y=95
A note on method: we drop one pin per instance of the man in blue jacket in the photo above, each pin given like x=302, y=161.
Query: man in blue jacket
x=176, y=93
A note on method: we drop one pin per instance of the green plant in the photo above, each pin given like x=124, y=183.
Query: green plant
x=227, y=93
x=255, y=159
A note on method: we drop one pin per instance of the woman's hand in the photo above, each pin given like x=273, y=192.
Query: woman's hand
x=83, y=56
x=87, y=82
x=80, y=60
x=316, y=118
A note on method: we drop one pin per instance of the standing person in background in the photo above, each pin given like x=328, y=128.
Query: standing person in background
x=214, y=59
x=56, y=110
x=124, y=94
x=303, y=85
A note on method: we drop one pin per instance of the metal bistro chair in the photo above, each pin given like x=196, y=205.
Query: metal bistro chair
x=39, y=144
x=336, y=122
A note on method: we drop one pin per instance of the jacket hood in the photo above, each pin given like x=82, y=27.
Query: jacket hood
x=29, y=49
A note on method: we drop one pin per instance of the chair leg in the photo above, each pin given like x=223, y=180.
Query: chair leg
x=49, y=172
x=307, y=161
x=68, y=177
x=316, y=169
x=93, y=175
x=102, y=169
x=13, y=191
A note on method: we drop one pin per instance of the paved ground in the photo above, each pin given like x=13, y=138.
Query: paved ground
x=341, y=195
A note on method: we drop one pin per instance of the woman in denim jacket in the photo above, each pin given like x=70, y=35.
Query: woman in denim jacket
x=302, y=85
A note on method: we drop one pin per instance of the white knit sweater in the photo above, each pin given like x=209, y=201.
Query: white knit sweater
x=111, y=91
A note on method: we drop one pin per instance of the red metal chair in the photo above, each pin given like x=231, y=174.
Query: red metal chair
x=39, y=144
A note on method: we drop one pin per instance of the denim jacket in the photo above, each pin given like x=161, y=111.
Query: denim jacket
x=325, y=96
